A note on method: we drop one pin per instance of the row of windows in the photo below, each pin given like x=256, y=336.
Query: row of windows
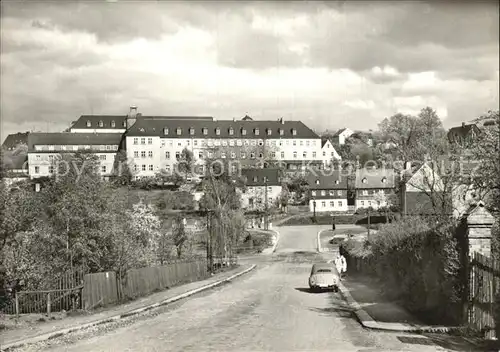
x=231, y=130
x=226, y=142
x=143, y=167
x=52, y=169
x=369, y=202
x=106, y=147
x=332, y=204
x=224, y=155
x=101, y=124
x=367, y=192
x=330, y=192
x=51, y=157
x=143, y=154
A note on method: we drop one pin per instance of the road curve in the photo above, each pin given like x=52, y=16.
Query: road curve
x=271, y=309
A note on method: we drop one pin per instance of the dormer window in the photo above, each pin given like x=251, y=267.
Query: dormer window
x=294, y=132
x=89, y=124
x=191, y=131
x=281, y=131
x=231, y=131
x=165, y=131
x=178, y=131
x=217, y=131
x=205, y=131
x=269, y=131
x=256, y=131
x=101, y=124
x=337, y=182
x=384, y=180
x=317, y=182
x=363, y=180
x=113, y=124
x=124, y=124
x=243, y=132
x=255, y=179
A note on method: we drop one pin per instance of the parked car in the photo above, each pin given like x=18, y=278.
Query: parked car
x=324, y=276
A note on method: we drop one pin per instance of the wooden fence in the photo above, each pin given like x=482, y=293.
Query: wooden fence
x=103, y=289
x=62, y=292
x=484, y=276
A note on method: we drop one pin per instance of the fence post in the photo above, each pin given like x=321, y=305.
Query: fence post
x=48, y=304
x=17, y=305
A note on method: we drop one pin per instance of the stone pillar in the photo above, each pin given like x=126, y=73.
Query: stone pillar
x=479, y=224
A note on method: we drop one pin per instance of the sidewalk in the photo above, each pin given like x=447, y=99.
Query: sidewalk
x=364, y=294
x=10, y=336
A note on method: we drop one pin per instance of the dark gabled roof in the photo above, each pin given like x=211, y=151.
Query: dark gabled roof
x=333, y=179
x=107, y=120
x=324, y=141
x=462, y=131
x=67, y=138
x=247, y=118
x=14, y=140
x=374, y=178
x=119, y=120
x=256, y=177
x=336, y=134
x=155, y=127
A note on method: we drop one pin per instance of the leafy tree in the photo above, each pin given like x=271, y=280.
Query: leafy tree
x=403, y=132
x=123, y=173
x=179, y=235
x=186, y=162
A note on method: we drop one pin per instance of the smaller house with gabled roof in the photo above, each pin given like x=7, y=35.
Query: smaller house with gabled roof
x=328, y=152
x=341, y=135
x=464, y=135
x=256, y=181
x=374, y=187
x=328, y=191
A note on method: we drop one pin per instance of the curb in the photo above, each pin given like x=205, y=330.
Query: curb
x=368, y=322
x=59, y=333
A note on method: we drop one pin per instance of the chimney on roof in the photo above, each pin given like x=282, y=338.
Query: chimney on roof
x=463, y=124
x=132, y=116
x=281, y=121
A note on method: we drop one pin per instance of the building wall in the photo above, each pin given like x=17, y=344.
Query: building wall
x=39, y=164
x=259, y=193
x=167, y=148
x=145, y=155
x=328, y=153
x=330, y=204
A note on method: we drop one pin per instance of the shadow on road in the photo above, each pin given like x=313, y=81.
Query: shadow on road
x=339, y=311
x=308, y=290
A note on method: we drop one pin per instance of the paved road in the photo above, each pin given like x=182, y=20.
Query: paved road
x=268, y=310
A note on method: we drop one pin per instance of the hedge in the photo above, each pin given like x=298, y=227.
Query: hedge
x=420, y=265
x=327, y=220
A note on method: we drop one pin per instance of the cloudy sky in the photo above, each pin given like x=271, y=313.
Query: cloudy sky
x=328, y=64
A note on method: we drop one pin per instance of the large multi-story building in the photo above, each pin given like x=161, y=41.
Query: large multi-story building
x=44, y=149
x=261, y=184
x=328, y=192
x=374, y=187
x=156, y=144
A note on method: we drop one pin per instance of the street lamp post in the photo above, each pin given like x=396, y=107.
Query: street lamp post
x=369, y=213
x=314, y=209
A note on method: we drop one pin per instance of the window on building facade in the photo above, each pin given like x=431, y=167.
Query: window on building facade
x=252, y=155
x=295, y=155
x=243, y=155
x=243, y=132
x=150, y=154
x=332, y=155
x=332, y=192
x=124, y=123
x=273, y=155
x=38, y=157
x=254, y=142
x=103, y=169
x=324, y=153
x=281, y=132
x=143, y=140
x=365, y=192
x=369, y=203
x=136, y=140
x=231, y=131
x=200, y=155
x=143, y=154
x=150, y=140
x=165, y=131
x=362, y=203
x=217, y=131
x=37, y=169
x=301, y=143
x=205, y=131
x=195, y=142
x=317, y=182
x=233, y=168
x=313, y=193
x=340, y=203
x=108, y=147
x=323, y=204
x=332, y=204
x=256, y=131
x=191, y=131
x=261, y=155
x=314, y=155
x=282, y=155
x=231, y=142
x=294, y=132
x=224, y=143
x=101, y=124
x=233, y=155
x=304, y=155
x=269, y=132
x=323, y=193
x=177, y=155
x=89, y=124
x=307, y=143
x=363, y=180
x=339, y=193
x=102, y=157
x=261, y=142
x=255, y=179
x=294, y=143
x=136, y=154
x=151, y=168
x=167, y=155
x=223, y=155
x=143, y=167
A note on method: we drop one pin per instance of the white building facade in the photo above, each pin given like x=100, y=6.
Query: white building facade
x=45, y=149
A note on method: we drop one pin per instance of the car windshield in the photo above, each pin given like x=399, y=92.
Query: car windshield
x=323, y=271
